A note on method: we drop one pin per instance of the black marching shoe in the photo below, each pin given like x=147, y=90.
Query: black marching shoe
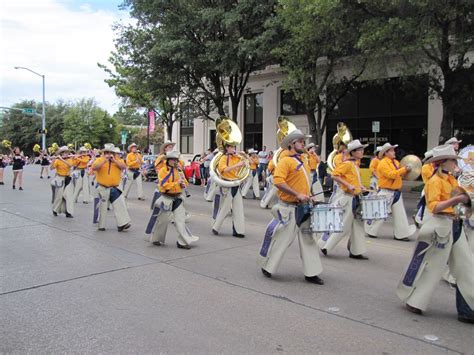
x=324, y=251
x=68, y=215
x=359, y=257
x=314, y=280
x=14, y=187
x=414, y=309
x=237, y=235
x=21, y=188
x=41, y=177
x=182, y=246
x=406, y=239
x=55, y=214
x=102, y=229
x=372, y=236
x=215, y=232
x=266, y=273
x=157, y=243
x=465, y=319
x=124, y=227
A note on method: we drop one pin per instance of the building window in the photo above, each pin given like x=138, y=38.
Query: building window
x=253, y=118
x=289, y=105
x=401, y=107
x=186, y=130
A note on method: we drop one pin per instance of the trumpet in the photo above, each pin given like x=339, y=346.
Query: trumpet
x=182, y=176
x=6, y=143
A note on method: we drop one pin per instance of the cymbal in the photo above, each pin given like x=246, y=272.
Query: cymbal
x=415, y=164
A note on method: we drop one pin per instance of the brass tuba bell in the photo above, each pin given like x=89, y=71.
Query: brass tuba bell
x=228, y=133
x=342, y=136
x=285, y=126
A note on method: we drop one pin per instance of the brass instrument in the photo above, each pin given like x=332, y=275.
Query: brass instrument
x=70, y=146
x=415, y=164
x=88, y=146
x=466, y=187
x=285, y=126
x=36, y=148
x=343, y=136
x=6, y=143
x=228, y=133
x=54, y=147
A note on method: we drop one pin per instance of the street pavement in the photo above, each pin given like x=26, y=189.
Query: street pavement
x=66, y=287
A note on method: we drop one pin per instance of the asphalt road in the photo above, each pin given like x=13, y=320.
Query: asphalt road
x=65, y=287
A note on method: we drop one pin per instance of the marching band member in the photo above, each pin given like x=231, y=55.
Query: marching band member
x=211, y=186
x=347, y=175
x=342, y=154
x=108, y=171
x=62, y=187
x=427, y=171
x=374, y=163
x=390, y=175
x=134, y=162
x=455, y=143
x=291, y=220
x=44, y=161
x=82, y=182
x=440, y=242
x=229, y=199
x=160, y=162
x=314, y=160
x=252, y=179
x=170, y=203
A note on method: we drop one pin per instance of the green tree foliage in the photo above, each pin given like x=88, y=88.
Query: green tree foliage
x=215, y=45
x=432, y=36
x=75, y=123
x=316, y=36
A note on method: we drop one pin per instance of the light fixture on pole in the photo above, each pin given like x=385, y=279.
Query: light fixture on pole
x=43, y=114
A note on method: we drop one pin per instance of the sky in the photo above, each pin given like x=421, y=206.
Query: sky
x=62, y=39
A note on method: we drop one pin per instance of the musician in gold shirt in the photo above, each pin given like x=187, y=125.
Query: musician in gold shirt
x=390, y=175
x=252, y=179
x=427, y=171
x=229, y=199
x=441, y=242
x=81, y=178
x=62, y=185
x=108, y=170
x=291, y=214
x=170, y=204
x=313, y=161
x=159, y=163
x=134, y=162
x=347, y=176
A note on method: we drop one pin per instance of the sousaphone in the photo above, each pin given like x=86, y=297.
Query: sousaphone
x=342, y=136
x=285, y=126
x=228, y=133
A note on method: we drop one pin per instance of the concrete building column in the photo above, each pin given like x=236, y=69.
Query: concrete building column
x=271, y=111
x=435, y=116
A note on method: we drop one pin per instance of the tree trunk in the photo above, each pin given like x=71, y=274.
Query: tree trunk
x=234, y=102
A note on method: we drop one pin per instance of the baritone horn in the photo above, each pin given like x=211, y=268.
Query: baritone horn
x=342, y=136
x=414, y=163
x=228, y=133
x=285, y=126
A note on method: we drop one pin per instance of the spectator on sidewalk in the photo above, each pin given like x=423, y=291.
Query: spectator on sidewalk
x=262, y=163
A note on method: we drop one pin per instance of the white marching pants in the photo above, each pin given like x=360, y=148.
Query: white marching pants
x=270, y=195
x=63, y=194
x=82, y=184
x=117, y=201
x=401, y=228
x=352, y=228
x=280, y=234
x=437, y=246
x=251, y=181
x=164, y=210
x=210, y=190
x=129, y=182
x=317, y=188
x=228, y=200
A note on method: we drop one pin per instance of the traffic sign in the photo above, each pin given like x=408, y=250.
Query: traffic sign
x=375, y=126
x=28, y=111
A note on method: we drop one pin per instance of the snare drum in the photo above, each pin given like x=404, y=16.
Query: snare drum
x=326, y=218
x=374, y=207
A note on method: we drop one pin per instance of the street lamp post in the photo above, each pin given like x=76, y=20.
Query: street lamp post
x=43, y=114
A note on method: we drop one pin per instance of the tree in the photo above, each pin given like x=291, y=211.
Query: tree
x=316, y=37
x=433, y=36
x=215, y=44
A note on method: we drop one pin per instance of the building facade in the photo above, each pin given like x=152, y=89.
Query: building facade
x=407, y=115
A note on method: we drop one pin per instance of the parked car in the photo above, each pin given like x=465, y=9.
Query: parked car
x=192, y=170
x=148, y=168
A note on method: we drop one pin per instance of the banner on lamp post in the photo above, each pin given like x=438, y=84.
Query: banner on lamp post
x=151, y=121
